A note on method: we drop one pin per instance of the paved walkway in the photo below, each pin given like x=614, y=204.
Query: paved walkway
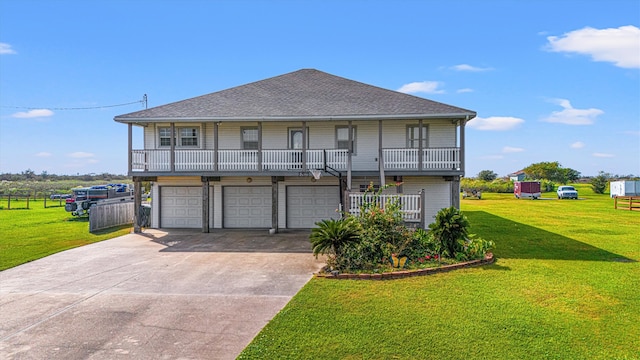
x=156, y=295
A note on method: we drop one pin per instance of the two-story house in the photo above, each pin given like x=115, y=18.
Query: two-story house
x=284, y=152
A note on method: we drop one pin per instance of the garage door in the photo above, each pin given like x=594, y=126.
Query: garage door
x=247, y=207
x=307, y=205
x=180, y=207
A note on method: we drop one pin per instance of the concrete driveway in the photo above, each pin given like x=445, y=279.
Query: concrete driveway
x=157, y=295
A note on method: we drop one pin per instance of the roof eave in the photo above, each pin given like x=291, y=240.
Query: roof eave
x=463, y=115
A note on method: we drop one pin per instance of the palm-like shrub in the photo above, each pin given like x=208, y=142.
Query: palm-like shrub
x=329, y=237
x=450, y=229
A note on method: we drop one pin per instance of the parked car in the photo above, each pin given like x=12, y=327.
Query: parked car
x=567, y=192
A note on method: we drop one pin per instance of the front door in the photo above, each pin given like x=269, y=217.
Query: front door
x=295, y=143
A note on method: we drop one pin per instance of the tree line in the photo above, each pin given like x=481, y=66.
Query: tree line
x=30, y=175
x=548, y=173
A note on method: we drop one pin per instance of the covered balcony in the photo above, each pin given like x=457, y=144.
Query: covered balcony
x=283, y=161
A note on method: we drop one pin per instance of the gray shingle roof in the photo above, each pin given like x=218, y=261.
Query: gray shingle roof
x=303, y=94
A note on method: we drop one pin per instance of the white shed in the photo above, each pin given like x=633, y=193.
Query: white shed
x=624, y=188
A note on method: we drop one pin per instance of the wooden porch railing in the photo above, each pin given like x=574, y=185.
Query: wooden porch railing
x=410, y=204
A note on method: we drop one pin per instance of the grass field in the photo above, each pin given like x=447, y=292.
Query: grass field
x=30, y=234
x=565, y=286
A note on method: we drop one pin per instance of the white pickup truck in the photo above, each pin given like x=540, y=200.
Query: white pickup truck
x=567, y=192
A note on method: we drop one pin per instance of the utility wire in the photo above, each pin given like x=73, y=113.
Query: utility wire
x=143, y=101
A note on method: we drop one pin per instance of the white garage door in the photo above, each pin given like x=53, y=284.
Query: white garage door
x=180, y=207
x=307, y=205
x=247, y=207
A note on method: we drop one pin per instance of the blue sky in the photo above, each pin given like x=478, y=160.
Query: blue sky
x=550, y=80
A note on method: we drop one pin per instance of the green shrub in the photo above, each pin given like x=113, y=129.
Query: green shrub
x=450, y=230
x=330, y=237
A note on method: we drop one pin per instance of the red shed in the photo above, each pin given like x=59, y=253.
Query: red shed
x=526, y=189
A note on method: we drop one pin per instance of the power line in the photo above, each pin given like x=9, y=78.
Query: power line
x=143, y=101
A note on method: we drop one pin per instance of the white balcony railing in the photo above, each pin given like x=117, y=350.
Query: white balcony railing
x=410, y=205
x=432, y=159
x=286, y=160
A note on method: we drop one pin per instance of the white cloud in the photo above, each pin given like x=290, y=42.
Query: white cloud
x=465, y=90
x=81, y=155
x=467, y=67
x=577, y=145
x=428, y=87
x=43, y=154
x=571, y=116
x=35, y=113
x=620, y=46
x=509, y=149
x=602, y=155
x=6, y=49
x=632, y=132
x=495, y=123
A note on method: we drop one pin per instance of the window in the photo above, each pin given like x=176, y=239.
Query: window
x=413, y=136
x=342, y=138
x=249, y=138
x=186, y=136
x=165, y=136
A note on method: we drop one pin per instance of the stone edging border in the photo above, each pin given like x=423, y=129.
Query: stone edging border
x=488, y=259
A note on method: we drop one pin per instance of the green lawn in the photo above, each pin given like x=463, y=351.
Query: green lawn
x=565, y=286
x=30, y=234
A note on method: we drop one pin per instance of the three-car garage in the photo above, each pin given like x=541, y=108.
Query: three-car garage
x=246, y=206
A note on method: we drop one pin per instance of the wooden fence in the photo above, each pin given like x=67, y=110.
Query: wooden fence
x=627, y=203
x=103, y=216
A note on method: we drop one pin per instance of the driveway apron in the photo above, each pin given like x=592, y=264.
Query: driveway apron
x=157, y=295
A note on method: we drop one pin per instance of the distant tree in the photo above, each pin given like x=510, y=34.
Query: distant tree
x=487, y=175
x=28, y=174
x=571, y=175
x=552, y=171
x=599, y=183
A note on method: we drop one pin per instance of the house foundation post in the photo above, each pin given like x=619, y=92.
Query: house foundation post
x=205, y=204
x=455, y=192
x=274, y=203
x=137, y=204
x=423, y=203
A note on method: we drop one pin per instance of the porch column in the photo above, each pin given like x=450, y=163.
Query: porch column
x=172, y=155
x=455, y=192
x=205, y=204
x=130, y=152
x=259, y=146
x=349, y=154
x=215, y=146
x=274, y=203
x=380, y=155
x=420, y=154
x=304, y=146
x=462, y=147
x=137, y=203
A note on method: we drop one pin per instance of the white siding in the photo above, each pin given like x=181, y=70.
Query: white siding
x=149, y=136
x=437, y=193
